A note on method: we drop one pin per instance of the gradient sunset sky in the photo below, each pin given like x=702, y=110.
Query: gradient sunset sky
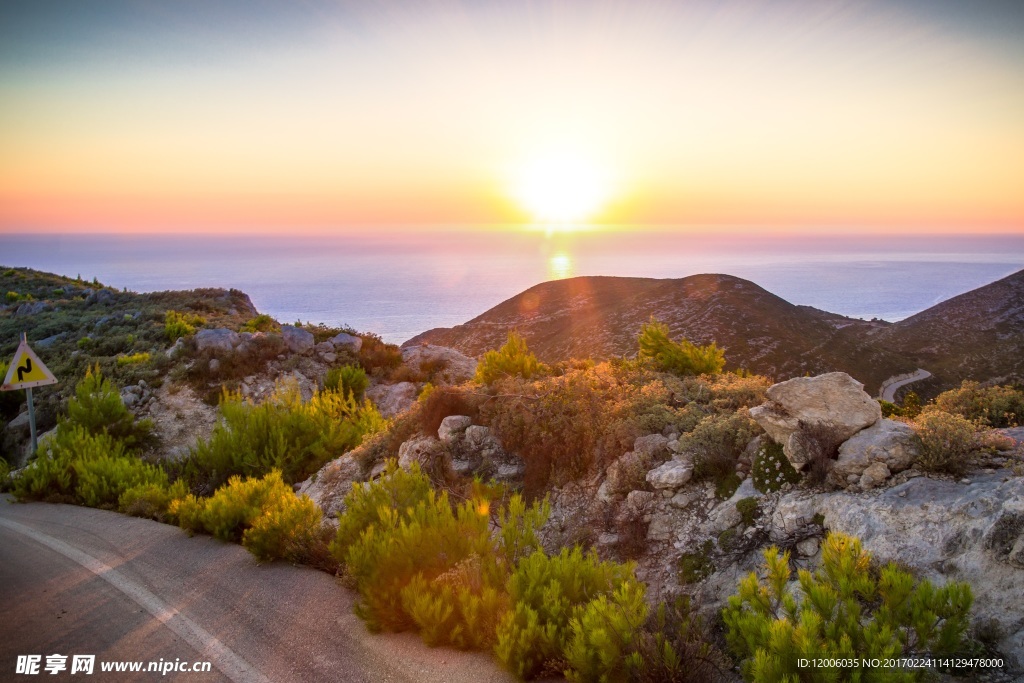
x=208, y=115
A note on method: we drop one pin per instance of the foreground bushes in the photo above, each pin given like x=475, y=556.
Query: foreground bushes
x=996, y=406
x=511, y=360
x=264, y=514
x=848, y=609
x=283, y=433
x=945, y=441
x=679, y=358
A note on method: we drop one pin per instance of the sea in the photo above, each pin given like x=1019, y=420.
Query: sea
x=400, y=283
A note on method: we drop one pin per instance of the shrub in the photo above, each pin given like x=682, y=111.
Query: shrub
x=889, y=409
x=178, y=324
x=546, y=594
x=377, y=356
x=102, y=480
x=603, y=633
x=945, y=442
x=97, y=407
x=261, y=323
x=747, y=507
x=731, y=391
x=696, y=566
x=284, y=432
x=771, y=469
x=716, y=445
x=150, y=500
x=820, y=444
x=350, y=380
x=679, y=358
x=133, y=359
x=511, y=360
x=442, y=402
x=671, y=648
x=848, y=610
x=995, y=406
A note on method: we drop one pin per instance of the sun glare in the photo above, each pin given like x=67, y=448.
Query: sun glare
x=561, y=188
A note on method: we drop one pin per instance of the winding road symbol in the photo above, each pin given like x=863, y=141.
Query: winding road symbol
x=25, y=369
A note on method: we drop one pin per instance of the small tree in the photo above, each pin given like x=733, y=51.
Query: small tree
x=848, y=610
x=511, y=360
x=679, y=358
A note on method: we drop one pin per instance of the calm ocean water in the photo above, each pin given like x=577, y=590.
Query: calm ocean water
x=400, y=285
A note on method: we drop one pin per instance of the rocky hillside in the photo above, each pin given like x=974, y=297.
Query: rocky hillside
x=978, y=335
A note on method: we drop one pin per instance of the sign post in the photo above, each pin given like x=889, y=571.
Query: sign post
x=27, y=371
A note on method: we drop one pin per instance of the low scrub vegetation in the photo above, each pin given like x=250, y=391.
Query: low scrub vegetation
x=350, y=380
x=848, y=608
x=283, y=433
x=681, y=357
x=178, y=324
x=991, y=406
x=946, y=442
x=511, y=360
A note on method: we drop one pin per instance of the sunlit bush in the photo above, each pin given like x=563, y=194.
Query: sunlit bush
x=97, y=407
x=350, y=380
x=846, y=609
x=511, y=360
x=995, y=406
x=284, y=432
x=680, y=358
x=946, y=442
x=178, y=324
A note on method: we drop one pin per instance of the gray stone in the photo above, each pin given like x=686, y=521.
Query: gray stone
x=328, y=487
x=30, y=308
x=682, y=499
x=99, y=296
x=639, y=500
x=324, y=347
x=214, y=365
x=888, y=442
x=722, y=517
x=219, y=339
x=392, y=399
x=19, y=424
x=297, y=339
x=653, y=446
x=453, y=428
x=661, y=528
x=347, y=342
x=833, y=400
x=670, y=475
x=448, y=365
x=419, y=449
x=875, y=474
x=622, y=471
x=329, y=357
x=130, y=399
x=49, y=341
x=808, y=547
x=176, y=348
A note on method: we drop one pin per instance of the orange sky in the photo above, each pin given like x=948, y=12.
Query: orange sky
x=335, y=116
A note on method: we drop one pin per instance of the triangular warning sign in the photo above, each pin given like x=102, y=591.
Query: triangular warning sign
x=26, y=371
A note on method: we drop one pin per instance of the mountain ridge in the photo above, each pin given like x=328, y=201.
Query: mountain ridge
x=975, y=335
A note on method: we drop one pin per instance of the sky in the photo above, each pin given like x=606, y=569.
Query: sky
x=205, y=115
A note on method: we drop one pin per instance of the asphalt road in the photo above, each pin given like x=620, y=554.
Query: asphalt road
x=889, y=390
x=77, y=581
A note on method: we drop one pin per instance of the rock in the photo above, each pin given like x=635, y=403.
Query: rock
x=682, y=500
x=604, y=495
x=875, y=474
x=623, y=474
x=219, y=339
x=447, y=366
x=746, y=490
x=333, y=482
x=670, y=475
x=661, y=528
x=214, y=365
x=419, y=449
x=392, y=399
x=99, y=296
x=347, y=342
x=639, y=500
x=792, y=513
x=808, y=547
x=722, y=517
x=453, y=428
x=886, y=442
x=607, y=539
x=177, y=348
x=297, y=339
x=31, y=308
x=324, y=348
x=834, y=401
x=19, y=424
x=129, y=399
x=652, y=446
x=946, y=531
x=49, y=341
x=329, y=357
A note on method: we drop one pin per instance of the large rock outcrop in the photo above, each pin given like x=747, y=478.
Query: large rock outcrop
x=834, y=402
x=886, y=447
x=445, y=365
x=392, y=399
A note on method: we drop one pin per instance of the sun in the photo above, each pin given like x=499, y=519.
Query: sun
x=561, y=187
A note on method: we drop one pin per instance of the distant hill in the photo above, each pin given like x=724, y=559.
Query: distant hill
x=977, y=335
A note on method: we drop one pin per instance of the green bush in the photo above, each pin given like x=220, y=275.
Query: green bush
x=747, y=507
x=511, y=360
x=946, y=442
x=350, y=380
x=151, y=500
x=716, y=444
x=679, y=358
x=672, y=647
x=264, y=514
x=603, y=634
x=995, y=406
x=77, y=466
x=261, y=323
x=284, y=432
x=847, y=609
x=133, y=359
x=178, y=324
x=771, y=469
x=546, y=594
x=696, y=566
x=97, y=407
x=377, y=356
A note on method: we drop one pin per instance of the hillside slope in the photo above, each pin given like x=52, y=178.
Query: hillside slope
x=978, y=335
x=600, y=317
